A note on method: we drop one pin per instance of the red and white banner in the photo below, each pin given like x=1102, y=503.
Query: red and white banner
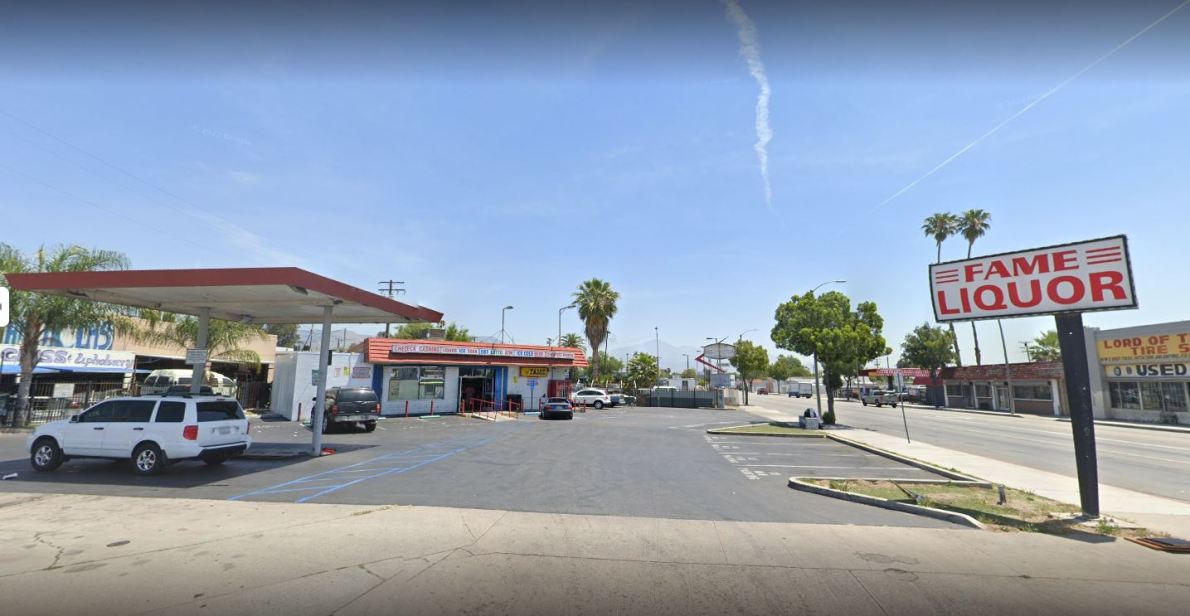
x=1078, y=277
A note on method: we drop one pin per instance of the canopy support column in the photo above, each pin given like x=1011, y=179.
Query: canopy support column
x=200, y=369
x=324, y=355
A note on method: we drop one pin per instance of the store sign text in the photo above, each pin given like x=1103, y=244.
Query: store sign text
x=1091, y=275
x=535, y=371
x=1156, y=346
x=1150, y=371
x=73, y=358
x=449, y=349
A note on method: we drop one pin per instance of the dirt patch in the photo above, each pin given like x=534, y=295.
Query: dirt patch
x=1021, y=511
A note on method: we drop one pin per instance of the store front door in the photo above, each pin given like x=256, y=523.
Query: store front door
x=476, y=389
x=1002, y=402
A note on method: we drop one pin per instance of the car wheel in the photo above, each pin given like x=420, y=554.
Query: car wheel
x=569, y=416
x=598, y=404
x=46, y=455
x=864, y=402
x=148, y=459
x=215, y=460
x=369, y=426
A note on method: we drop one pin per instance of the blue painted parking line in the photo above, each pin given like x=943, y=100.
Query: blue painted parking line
x=326, y=482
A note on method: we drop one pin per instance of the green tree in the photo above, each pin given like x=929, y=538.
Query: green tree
x=929, y=348
x=788, y=367
x=609, y=367
x=642, y=370
x=1047, y=347
x=942, y=226
x=596, y=301
x=574, y=341
x=973, y=224
x=225, y=339
x=751, y=361
x=286, y=333
x=689, y=373
x=421, y=331
x=826, y=323
x=37, y=313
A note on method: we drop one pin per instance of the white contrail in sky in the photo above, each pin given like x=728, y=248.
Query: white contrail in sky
x=1022, y=110
x=750, y=49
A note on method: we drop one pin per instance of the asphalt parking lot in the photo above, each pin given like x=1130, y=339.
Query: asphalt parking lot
x=648, y=462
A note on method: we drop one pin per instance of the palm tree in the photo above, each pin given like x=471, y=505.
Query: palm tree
x=1048, y=347
x=36, y=313
x=224, y=338
x=596, y=303
x=972, y=225
x=572, y=340
x=941, y=226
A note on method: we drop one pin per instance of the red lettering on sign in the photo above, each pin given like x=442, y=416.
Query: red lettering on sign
x=1023, y=266
x=1065, y=260
x=1077, y=290
x=997, y=268
x=1015, y=297
x=1102, y=282
x=972, y=271
x=997, y=298
x=942, y=307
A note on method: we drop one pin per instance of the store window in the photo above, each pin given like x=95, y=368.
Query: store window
x=956, y=390
x=1150, y=397
x=1124, y=395
x=1032, y=392
x=983, y=391
x=403, y=384
x=432, y=384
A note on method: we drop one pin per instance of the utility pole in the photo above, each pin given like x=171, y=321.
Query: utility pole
x=389, y=288
x=1028, y=353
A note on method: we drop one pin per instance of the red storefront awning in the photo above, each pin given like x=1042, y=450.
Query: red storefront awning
x=397, y=351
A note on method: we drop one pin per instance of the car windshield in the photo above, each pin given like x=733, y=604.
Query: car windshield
x=355, y=395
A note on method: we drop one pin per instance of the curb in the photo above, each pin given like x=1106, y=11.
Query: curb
x=925, y=466
x=930, y=512
x=947, y=409
x=1135, y=426
x=723, y=431
x=273, y=456
x=16, y=430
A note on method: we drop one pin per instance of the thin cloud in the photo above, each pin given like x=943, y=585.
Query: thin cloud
x=750, y=49
x=1054, y=90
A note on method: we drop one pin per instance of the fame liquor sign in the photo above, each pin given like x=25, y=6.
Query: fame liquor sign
x=1078, y=277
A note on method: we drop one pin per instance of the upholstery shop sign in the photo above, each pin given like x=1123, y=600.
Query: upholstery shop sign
x=74, y=359
x=1078, y=277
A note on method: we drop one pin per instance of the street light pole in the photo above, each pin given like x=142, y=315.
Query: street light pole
x=560, y=311
x=657, y=337
x=502, y=311
x=817, y=382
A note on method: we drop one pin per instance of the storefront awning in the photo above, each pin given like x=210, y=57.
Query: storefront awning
x=397, y=351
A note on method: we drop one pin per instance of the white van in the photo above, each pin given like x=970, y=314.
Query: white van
x=159, y=382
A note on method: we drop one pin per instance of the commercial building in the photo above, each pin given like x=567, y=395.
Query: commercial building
x=1036, y=387
x=454, y=376
x=419, y=377
x=1141, y=373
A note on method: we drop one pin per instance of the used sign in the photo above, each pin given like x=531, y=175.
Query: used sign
x=1079, y=277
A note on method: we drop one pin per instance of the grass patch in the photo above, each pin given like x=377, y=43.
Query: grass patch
x=1022, y=511
x=770, y=428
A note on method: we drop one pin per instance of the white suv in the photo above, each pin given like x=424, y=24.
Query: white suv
x=152, y=431
x=592, y=397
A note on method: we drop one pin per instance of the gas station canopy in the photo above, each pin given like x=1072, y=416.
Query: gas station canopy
x=248, y=295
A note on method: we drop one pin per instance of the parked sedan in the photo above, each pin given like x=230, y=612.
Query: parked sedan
x=557, y=407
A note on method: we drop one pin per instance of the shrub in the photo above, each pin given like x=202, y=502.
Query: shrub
x=828, y=418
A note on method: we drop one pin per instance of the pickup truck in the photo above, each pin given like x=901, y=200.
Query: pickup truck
x=879, y=397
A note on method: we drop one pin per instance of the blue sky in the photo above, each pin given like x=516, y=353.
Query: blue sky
x=502, y=154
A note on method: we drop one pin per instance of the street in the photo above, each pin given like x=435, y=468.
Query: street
x=649, y=462
x=1148, y=461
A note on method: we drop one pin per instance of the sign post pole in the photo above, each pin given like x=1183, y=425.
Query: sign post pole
x=1078, y=392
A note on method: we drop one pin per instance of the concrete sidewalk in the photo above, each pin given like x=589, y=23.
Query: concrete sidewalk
x=1152, y=512
x=76, y=555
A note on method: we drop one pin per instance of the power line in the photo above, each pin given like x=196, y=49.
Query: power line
x=390, y=288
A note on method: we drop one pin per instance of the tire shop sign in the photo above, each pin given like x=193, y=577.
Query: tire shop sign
x=1078, y=277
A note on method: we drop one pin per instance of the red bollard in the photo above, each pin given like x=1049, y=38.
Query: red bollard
x=431, y=407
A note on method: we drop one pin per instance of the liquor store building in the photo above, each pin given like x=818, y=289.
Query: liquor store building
x=423, y=376
x=1141, y=373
